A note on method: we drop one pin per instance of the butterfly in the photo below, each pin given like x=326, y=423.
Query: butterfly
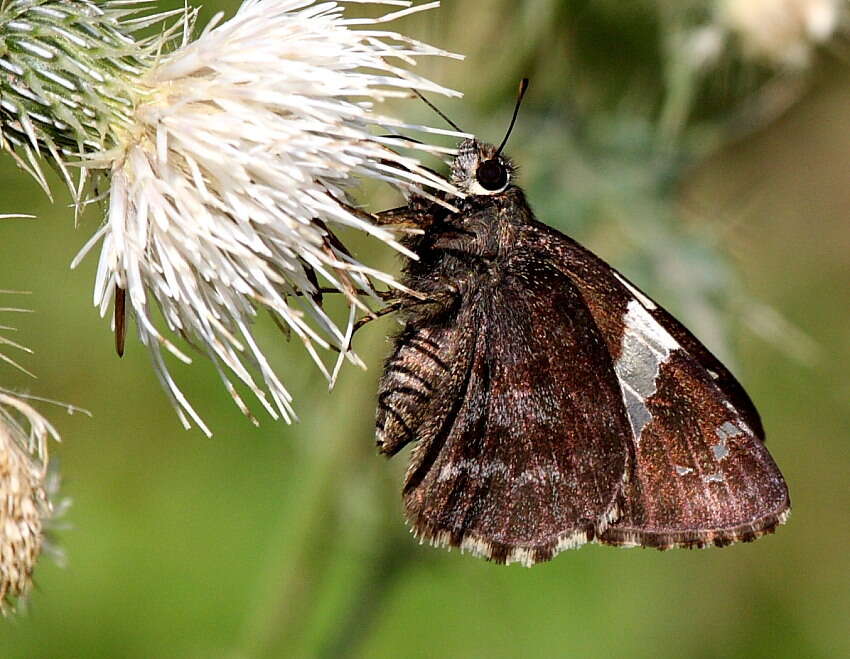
x=549, y=400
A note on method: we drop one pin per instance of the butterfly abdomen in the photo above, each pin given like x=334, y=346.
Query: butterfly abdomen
x=414, y=381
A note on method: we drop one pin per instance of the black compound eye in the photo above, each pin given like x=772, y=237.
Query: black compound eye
x=492, y=175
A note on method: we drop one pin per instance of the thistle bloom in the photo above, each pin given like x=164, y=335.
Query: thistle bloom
x=228, y=161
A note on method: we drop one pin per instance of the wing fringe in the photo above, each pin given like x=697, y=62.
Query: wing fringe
x=525, y=555
x=697, y=540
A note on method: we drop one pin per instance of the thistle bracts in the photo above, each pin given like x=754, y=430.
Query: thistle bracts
x=68, y=72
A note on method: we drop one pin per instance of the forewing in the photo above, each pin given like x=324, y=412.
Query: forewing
x=527, y=450
x=701, y=473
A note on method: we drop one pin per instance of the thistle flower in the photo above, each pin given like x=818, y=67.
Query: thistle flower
x=780, y=32
x=228, y=161
x=25, y=502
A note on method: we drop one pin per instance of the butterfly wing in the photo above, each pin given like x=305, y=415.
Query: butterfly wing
x=518, y=417
x=702, y=474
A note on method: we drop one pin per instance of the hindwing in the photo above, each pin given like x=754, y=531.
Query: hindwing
x=522, y=436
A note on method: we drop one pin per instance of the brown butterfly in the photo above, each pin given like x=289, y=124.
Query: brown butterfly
x=550, y=401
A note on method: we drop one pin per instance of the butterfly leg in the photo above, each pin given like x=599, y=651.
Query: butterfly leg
x=405, y=216
x=433, y=303
x=390, y=308
x=418, y=212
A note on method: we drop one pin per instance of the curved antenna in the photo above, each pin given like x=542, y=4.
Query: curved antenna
x=437, y=110
x=523, y=86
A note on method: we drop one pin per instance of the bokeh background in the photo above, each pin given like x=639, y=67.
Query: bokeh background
x=706, y=159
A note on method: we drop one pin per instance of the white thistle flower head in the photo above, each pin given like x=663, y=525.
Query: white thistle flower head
x=25, y=497
x=781, y=32
x=228, y=161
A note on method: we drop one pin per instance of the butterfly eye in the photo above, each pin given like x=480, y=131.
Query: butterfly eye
x=492, y=175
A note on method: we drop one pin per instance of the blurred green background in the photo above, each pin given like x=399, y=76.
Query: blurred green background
x=720, y=187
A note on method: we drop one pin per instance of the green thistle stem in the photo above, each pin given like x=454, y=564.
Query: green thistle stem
x=293, y=581
x=291, y=589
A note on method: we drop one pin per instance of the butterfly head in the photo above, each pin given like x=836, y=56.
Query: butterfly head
x=480, y=169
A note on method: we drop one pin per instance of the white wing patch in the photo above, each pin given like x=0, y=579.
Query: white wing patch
x=646, y=345
x=645, y=301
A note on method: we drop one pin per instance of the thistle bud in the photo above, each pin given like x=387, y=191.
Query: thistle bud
x=780, y=32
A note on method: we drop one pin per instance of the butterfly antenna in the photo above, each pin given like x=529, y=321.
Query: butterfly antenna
x=523, y=86
x=437, y=110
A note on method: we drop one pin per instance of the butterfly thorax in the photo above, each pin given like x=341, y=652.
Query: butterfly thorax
x=463, y=252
